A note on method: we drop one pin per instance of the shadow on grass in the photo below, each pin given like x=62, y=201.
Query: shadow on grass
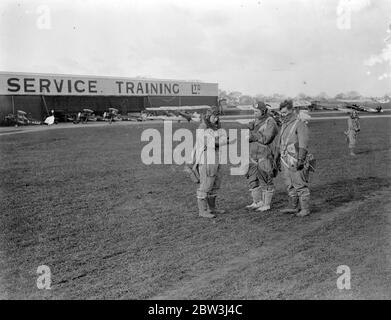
x=368, y=151
x=330, y=196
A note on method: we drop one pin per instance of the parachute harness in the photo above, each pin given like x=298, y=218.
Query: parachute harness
x=286, y=149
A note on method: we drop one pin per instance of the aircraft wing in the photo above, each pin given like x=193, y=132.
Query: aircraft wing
x=185, y=115
x=172, y=118
x=273, y=105
x=363, y=101
x=243, y=121
x=354, y=100
x=246, y=107
x=344, y=109
x=250, y=107
x=368, y=109
x=301, y=104
x=382, y=100
x=181, y=108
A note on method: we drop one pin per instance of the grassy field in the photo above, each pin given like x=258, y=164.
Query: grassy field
x=81, y=202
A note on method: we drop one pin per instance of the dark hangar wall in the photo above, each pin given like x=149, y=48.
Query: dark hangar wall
x=32, y=105
x=152, y=101
x=35, y=107
x=98, y=103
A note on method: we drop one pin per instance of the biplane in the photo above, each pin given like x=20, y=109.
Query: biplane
x=182, y=113
x=84, y=116
x=21, y=118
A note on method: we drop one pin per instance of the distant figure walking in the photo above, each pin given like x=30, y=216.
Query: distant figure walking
x=352, y=131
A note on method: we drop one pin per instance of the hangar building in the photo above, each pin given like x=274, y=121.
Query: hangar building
x=36, y=94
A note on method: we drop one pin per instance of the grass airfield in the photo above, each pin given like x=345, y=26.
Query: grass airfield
x=81, y=202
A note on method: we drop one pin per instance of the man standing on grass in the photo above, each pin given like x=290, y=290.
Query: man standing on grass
x=262, y=166
x=293, y=143
x=210, y=138
x=352, y=131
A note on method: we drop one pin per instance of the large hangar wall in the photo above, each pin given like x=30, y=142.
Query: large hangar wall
x=72, y=93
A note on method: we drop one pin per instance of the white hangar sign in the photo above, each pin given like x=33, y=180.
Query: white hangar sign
x=45, y=84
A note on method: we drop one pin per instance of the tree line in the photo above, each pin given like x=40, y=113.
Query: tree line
x=238, y=98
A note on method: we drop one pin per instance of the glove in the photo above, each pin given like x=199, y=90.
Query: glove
x=300, y=165
x=251, y=125
x=301, y=160
x=252, y=137
x=277, y=165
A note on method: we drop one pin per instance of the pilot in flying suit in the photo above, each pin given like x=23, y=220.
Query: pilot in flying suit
x=293, y=142
x=262, y=169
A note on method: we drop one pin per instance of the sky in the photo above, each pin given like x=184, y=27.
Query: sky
x=251, y=46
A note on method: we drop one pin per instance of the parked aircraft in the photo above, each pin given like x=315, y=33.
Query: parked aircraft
x=182, y=113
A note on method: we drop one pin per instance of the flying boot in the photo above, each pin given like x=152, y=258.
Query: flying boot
x=293, y=206
x=304, y=205
x=212, y=205
x=203, y=208
x=267, y=200
x=257, y=196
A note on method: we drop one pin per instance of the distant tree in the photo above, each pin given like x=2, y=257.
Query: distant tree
x=303, y=96
x=245, y=99
x=278, y=97
x=353, y=95
x=340, y=96
x=260, y=97
x=321, y=96
x=222, y=94
x=234, y=97
x=235, y=94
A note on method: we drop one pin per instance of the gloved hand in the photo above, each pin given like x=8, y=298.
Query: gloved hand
x=300, y=165
x=301, y=159
x=251, y=125
x=276, y=165
x=252, y=137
